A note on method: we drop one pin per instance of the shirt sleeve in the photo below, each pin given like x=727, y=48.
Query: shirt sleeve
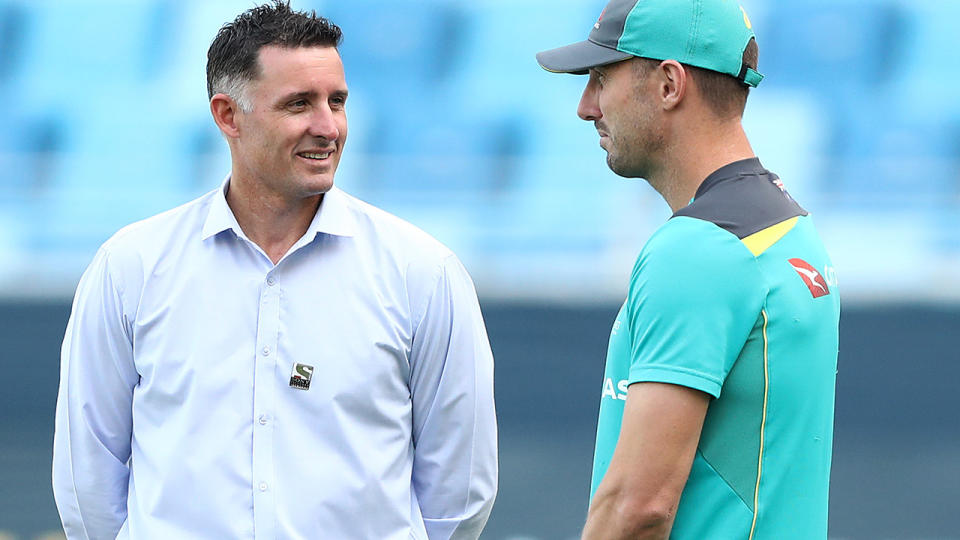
x=91, y=446
x=454, y=422
x=695, y=295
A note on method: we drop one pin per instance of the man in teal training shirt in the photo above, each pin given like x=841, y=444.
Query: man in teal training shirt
x=716, y=416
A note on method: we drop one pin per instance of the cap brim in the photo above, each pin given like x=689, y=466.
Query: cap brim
x=578, y=58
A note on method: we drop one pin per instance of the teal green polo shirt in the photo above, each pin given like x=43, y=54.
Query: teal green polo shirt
x=735, y=296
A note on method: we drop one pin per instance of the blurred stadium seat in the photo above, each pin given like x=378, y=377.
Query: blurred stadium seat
x=835, y=48
x=72, y=51
x=453, y=125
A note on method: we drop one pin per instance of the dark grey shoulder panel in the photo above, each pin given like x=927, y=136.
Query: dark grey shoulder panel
x=742, y=198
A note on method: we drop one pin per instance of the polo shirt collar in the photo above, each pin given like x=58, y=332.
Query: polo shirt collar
x=744, y=167
x=333, y=217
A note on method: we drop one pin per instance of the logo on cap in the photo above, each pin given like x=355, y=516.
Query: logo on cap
x=746, y=19
x=597, y=25
x=300, y=378
x=811, y=278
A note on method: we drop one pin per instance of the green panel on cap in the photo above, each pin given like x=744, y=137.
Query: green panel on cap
x=711, y=34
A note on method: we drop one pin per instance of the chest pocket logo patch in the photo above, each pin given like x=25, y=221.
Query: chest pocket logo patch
x=300, y=378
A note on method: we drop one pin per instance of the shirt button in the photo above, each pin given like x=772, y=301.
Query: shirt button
x=263, y=486
x=271, y=281
x=266, y=351
x=263, y=420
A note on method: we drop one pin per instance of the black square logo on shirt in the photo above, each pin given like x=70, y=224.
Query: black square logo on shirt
x=300, y=378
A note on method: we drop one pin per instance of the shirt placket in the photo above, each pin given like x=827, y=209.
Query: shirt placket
x=264, y=385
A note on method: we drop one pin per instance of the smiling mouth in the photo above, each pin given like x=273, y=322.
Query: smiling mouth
x=315, y=156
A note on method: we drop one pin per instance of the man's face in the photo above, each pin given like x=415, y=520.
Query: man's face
x=291, y=141
x=617, y=100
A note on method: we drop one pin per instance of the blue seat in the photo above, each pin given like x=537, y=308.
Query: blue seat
x=887, y=159
x=928, y=74
x=397, y=48
x=12, y=23
x=835, y=48
x=72, y=50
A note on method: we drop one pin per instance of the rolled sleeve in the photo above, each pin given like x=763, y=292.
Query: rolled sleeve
x=93, y=417
x=454, y=421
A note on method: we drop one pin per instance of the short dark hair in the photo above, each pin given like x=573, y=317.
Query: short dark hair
x=232, y=57
x=725, y=94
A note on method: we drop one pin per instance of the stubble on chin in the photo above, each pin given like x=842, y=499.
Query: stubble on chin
x=612, y=164
x=616, y=164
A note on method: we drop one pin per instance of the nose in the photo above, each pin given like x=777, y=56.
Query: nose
x=323, y=124
x=589, y=107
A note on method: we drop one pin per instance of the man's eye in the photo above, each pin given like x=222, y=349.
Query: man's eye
x=300, y=103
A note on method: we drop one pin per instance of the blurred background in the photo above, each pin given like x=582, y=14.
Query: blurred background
x=454, y=127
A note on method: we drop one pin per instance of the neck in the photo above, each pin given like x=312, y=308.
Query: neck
x=694, y=155
x=269, y=219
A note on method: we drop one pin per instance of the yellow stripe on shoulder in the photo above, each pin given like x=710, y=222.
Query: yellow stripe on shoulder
x=759, y=241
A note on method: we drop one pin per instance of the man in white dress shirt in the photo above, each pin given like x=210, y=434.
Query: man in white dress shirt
x=275, y=359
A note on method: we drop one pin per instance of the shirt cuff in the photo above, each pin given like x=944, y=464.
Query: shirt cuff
x=676, y=375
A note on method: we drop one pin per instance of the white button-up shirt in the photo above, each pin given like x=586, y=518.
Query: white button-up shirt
x=182, y=412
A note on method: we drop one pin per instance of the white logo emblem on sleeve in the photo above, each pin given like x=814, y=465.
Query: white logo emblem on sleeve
x=301, y=376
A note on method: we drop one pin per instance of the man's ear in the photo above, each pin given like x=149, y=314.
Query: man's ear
x=224, y=110
x=673, y=83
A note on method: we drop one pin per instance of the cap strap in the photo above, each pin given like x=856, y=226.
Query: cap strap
x=753, y=77
x=750, y=77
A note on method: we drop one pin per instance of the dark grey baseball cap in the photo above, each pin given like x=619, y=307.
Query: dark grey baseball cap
x=710, y=34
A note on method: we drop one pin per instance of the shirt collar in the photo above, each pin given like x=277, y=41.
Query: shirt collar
x=220, y=218
x=333, y=217
x=744, y=167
